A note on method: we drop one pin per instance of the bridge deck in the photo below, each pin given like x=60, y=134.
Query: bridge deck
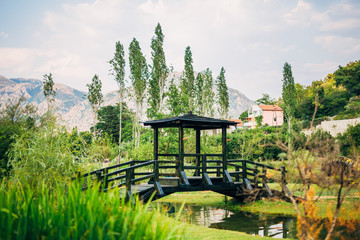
x=243, y=179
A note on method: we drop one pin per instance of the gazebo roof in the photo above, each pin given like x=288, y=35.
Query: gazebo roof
x=190, y=120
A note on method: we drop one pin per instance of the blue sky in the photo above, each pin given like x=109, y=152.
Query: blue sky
x=251, y=39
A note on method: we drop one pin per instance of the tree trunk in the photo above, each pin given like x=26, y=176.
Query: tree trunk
x=120, y=121
x=289, y=142
x=315, y=110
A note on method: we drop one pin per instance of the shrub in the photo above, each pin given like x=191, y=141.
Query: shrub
x=44, y=157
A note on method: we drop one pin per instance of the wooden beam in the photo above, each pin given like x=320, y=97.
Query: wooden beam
x=181, y=148
x=198, y=147
x=156, y=152
x=224, y=152
x=156, y=143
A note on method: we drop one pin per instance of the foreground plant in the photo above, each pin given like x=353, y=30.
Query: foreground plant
x=73, y=214
x=320, y=163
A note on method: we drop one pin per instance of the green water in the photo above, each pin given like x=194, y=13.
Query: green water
x=253, y=224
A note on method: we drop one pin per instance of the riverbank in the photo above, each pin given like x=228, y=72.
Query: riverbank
x=195, y=232
x=269, y=206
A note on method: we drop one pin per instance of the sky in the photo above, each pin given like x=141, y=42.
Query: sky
x=251, y=39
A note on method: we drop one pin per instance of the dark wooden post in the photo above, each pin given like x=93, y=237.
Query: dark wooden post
x=181, y=148
x=98, y=176
x=132, y=175
x=198, y=134
x=264, y=171
x=156, y=152
x=203, y=166
x=237, y=178
x=128, y=182
x=156, y=143
x=256, y=177
x=106, y=178
x=224, y=152
x=244, y=170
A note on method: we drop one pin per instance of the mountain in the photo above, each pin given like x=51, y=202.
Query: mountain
x=73, y=108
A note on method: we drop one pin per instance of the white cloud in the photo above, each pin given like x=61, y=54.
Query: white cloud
x=4, y=34
x=323, y=67
x=338, y=44
x=251, y=39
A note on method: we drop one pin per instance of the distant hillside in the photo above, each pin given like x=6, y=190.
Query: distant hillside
x=72, y=107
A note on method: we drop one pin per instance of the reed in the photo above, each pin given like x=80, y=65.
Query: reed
x=72, y=214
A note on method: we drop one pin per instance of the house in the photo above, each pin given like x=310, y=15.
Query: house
x=238, y=125
x=272, y=115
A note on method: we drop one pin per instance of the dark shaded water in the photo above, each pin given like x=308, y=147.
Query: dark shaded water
x=254, y=224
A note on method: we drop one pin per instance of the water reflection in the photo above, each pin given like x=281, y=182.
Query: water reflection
x=254, y=224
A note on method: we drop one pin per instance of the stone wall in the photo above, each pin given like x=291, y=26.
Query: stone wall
x=334, y=126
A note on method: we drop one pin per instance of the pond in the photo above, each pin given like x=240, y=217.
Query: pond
x=250, y=223
x=261, y=224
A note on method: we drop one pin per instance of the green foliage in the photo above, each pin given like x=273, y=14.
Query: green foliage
x=159, y=74
x=187, y=84
x=288, y=91
x=118, y=66
x=94, y=95
x=139, y=75
x=265, y=100
x=102, y=148
x=108, y=122
x=73, y=214
x=352, y=109
x=350, y=141
x=138, y=71
x=349, y=77
x=173, y=101
x=15, y=117
x=244, y=115
x=44, y=156
x=258, y=120
x=222, y=95
x=208, y=94
x=199, y=87
x=48, y=88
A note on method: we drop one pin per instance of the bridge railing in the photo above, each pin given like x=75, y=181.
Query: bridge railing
x=252, y=173
x=123, y=174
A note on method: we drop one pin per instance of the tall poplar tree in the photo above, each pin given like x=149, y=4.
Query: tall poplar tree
x=159, y=74
x=208, y=93
x=199, y=98
x=188, y=82
x=95, y=98
x=173, y=100
x=223, y=94
x=118, y=71
x=290, y=100
x=48, y=89
x=139, y=75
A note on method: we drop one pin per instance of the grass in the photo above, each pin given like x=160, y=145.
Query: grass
x=194, y=232
x=73, y=214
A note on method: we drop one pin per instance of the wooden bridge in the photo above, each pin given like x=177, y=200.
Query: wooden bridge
x=170, y=173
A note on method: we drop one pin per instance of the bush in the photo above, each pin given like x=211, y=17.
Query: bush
x=44, y=157
x=350, y=141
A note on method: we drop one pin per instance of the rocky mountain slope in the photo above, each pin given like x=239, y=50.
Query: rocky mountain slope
x=72, y=106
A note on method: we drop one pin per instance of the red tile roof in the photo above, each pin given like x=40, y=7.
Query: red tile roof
x=270, y=108
x=238, y=121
